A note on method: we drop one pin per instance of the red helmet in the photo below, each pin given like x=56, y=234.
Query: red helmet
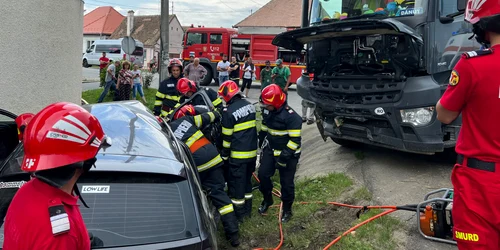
x=60, y=134
x=22, y=121
x=174, y=63
x=185, y=85
x=228, y=90
x=477, y=9
x=185, y=110
x=273, y=95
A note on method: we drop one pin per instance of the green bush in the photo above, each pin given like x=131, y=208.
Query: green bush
x=147, y=78
x=102, y=76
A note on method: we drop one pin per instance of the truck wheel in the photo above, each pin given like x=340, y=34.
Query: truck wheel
x=205, y=81
x=346, y=143
x=85, y=63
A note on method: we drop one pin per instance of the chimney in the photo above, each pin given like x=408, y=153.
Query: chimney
x=130, y=22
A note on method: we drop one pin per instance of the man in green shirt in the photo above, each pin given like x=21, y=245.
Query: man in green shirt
x=281, y=75
x=266, y=76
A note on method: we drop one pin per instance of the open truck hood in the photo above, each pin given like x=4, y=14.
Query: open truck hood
x=295, y=39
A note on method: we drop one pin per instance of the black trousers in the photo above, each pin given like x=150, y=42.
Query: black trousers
x=287, y=176
x=213, y=180
x=240, y=187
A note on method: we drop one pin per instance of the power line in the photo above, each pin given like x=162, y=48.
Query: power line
x=227, y=5
x=182, y=11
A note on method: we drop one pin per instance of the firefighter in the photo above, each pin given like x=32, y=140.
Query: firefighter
x=281, y=126
x=473, y=92
x=167, y=96
x=186, y=126
x=239, y=135
x=60, y=144
x=187, y=88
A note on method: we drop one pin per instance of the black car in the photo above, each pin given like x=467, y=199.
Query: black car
x=145, y=191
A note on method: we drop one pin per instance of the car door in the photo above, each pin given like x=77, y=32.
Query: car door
x=8, y=134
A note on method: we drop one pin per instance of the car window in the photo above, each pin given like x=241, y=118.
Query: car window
x=136, y=209
x=6, y=116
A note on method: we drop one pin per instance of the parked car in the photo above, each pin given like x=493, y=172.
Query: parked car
x=114, y=51
x=144, y=193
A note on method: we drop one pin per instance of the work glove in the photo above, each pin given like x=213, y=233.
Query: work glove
x=225, y=152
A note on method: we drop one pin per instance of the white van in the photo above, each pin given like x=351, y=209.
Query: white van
x=114, y=51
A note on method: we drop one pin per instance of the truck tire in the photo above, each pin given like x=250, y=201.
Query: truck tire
x=85, y=64
x=346, y=143
x=205, y=81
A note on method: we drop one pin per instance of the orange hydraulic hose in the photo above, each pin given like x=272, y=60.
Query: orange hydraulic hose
x=281, y=228
x=357, y=226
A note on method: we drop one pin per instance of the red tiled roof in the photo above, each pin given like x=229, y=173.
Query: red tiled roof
x=102, y=20
x=272, y=15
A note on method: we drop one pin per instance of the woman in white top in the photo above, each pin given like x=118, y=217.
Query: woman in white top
x=248, y=76
x=138, y=83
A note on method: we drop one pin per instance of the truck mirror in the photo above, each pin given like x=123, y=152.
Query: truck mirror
x=461, y=5
x=446, y=20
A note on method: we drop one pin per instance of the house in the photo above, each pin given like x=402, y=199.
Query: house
x=269, y=19
x=99, y=24
x=147, y=30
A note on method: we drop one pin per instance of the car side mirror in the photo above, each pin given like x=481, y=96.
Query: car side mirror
x=461, y=4
x=446, y=20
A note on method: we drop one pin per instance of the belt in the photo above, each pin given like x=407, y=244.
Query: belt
x=476, y=163
x=198, y=144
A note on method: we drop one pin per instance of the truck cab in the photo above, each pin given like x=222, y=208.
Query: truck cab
x=376, y=68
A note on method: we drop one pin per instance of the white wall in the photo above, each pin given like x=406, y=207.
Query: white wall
x=91, y=38
x=47, y=35
x=176, y=34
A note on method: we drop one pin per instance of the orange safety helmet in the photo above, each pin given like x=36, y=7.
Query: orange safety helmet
x=59, y=135
x=272, y=95
x=174, y=63
x=228, y=90
x=22, y=121
x=185, y=110
x=184, y=85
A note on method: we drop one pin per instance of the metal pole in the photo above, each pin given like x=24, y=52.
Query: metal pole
x=305, y=13
x=164, y=59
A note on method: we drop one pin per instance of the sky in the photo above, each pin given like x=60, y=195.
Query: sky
x=210, y=13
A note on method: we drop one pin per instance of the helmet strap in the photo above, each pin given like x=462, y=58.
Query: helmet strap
x=77, y=192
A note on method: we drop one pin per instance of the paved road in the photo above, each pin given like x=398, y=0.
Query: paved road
x=394, y=178
x=90, y=73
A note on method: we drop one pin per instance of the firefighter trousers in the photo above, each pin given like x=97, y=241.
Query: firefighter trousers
x=287, y=175
x=476, y=196
x=240, y=187
x=213, y=180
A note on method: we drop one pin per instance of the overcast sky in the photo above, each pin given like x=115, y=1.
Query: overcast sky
x=211, y=13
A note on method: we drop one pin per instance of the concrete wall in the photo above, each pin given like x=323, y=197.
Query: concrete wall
x=40, y=47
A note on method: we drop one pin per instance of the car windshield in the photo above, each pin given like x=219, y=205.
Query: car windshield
x=325, y=10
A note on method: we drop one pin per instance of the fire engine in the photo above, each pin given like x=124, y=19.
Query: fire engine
x=210, y=44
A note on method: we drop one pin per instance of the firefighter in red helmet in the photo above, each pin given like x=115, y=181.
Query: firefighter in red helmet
x=186, y=125
x=473, y=91
x=281, y=127
x=167, y=96
x=60, y=144
x=239, y=147
x=188, y=88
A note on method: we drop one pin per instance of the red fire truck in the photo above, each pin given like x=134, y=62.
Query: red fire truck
x=210, y=44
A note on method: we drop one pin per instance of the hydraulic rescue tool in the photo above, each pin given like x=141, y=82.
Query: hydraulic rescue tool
x=435, y=220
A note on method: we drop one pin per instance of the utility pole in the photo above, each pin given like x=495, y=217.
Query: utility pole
x=164, y=40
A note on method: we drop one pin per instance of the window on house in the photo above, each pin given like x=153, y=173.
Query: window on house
x=196, y=38
x=215, y=38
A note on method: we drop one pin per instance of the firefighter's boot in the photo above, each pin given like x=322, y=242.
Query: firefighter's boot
x=248, y=208
x=234, y=239
x=240, y=212
x=266, y=203
x=287, y=212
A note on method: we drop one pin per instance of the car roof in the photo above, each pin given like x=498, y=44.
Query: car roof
x=135, y=133
x=115, y=41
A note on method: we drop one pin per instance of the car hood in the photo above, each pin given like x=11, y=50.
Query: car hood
x=295, y=39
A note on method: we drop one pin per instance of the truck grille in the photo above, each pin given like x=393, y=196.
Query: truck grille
x=358, y=92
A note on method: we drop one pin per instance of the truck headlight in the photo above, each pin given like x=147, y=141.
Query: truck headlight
x=417, y=117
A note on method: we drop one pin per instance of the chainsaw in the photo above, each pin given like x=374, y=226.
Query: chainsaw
x=435, y=221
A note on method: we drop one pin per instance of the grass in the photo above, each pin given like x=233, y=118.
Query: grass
x=91, y=96
x=313, y=226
